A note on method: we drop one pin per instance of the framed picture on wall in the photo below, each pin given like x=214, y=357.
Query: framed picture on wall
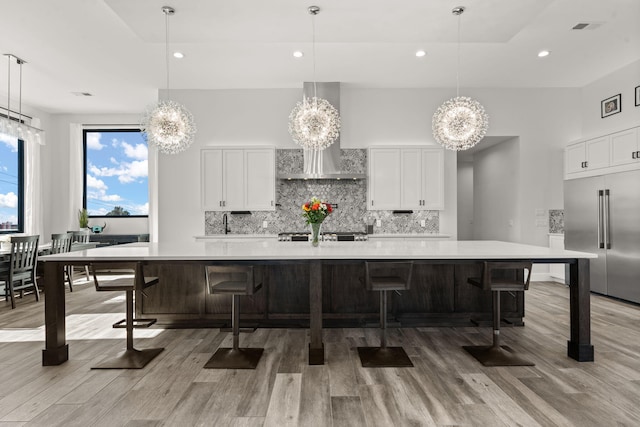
x=637, y=96
x=610, y=106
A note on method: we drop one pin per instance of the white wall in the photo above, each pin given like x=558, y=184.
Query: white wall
x=622, y=81
x=544, y=119
x=497, y=197
x=465, y=200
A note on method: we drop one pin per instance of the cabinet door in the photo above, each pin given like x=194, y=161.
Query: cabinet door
x=433, y=179
x=260, y=174
x=624, y=147
x=597, y=152
x=411, y=179
x=384, y=178
x=211, y=179
x=574, y=158
x=233, y=180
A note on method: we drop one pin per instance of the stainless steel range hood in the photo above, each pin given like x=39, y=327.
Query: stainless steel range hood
x=329, y=157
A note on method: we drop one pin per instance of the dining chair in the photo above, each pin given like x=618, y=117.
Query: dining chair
x=21, y=272
x=61, y=243
x=81, y=236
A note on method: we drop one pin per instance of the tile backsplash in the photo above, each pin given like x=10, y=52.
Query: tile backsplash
x=348, y=196
x=556, y=220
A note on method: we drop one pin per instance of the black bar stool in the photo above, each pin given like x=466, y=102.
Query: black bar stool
x=130, y=358
x=498, y=277
x=383, y=277
x=234, y=280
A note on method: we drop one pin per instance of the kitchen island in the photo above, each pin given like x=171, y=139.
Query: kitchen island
x=439, y=266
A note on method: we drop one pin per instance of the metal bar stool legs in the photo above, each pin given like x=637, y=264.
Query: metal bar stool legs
x=234, y=357
x=495, y=354
x=383, y=356
x=130, y=358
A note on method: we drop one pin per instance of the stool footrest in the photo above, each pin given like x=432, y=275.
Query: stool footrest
x=229, y=358
x=130, y=359
x=137, y=323
x=384, y=357
x=490, y=355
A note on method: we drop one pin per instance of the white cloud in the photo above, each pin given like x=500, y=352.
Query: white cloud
x=139, y=209
x=93, y=141
x=113, y=160
x=9, y=200
x=11, y=142
x=110, y=198
x=126, y=172
x=139, y=152
x=96, y=183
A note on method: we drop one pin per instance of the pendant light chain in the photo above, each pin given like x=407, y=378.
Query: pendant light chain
x=9, y=87
x=20, y=93
x=313, y=51
x=166, y=47
x=458, y=65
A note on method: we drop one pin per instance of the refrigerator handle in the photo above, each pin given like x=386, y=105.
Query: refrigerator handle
x=606, y=220
x=600, y=224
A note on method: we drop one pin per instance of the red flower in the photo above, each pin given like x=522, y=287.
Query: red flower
x=315, y=206
x=329, y=208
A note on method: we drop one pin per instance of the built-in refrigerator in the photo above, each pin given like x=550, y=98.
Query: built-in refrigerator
x=602, y=216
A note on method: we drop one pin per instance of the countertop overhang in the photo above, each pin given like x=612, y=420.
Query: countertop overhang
x=273, y=250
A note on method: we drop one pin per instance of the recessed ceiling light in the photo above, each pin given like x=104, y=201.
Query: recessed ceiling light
x=420, y=53
x=298, y=54
x=178, y=55
x=543, y=53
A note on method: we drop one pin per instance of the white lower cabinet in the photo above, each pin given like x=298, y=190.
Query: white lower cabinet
x=237, y=179
x=410, y=178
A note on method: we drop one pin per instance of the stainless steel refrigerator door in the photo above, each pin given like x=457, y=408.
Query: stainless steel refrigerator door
x=623, y=258
x=583, y=217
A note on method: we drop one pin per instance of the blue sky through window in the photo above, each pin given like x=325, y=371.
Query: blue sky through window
x=8, y=183
x=117, y=172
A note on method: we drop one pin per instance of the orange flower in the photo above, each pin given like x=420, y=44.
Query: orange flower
x=305, y=207
x=315, y=206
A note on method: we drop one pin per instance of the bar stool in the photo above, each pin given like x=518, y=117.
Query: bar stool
x=383, y=277
x=515, y=281
x=130, y=358
x=234, y=280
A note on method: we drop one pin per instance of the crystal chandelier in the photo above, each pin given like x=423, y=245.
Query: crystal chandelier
x=461, y=122
x=12, y=126
x=314, y=123
x=168, y=125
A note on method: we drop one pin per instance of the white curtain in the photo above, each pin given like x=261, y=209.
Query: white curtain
x=33, y=215
x=76, y=179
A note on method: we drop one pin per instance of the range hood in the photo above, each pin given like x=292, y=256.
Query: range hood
x=329, y=158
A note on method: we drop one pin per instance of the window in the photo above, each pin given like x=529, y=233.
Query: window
x=116, y=173
x=11, y=185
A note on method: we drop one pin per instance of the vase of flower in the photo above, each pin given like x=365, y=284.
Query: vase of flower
x=315, y=211
x=315, y=233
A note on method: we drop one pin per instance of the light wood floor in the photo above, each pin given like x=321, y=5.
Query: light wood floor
x=446, y=386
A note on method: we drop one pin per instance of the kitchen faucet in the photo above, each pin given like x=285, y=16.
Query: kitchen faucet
x=225, y=224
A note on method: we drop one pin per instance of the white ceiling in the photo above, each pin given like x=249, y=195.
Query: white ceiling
x=114, y=49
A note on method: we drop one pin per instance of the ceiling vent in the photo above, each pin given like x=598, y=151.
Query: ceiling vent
x=81, y=93
x=586, y=25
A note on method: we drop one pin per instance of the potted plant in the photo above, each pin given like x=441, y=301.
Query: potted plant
x=83, y=219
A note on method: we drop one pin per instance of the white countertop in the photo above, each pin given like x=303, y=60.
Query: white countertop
x=271, y=249
x=236, y=236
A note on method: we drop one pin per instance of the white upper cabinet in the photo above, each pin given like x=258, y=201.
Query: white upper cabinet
x=406, y=178
x=238, y=179
x=617, y=152
x=384, y=178
x=625, y=147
